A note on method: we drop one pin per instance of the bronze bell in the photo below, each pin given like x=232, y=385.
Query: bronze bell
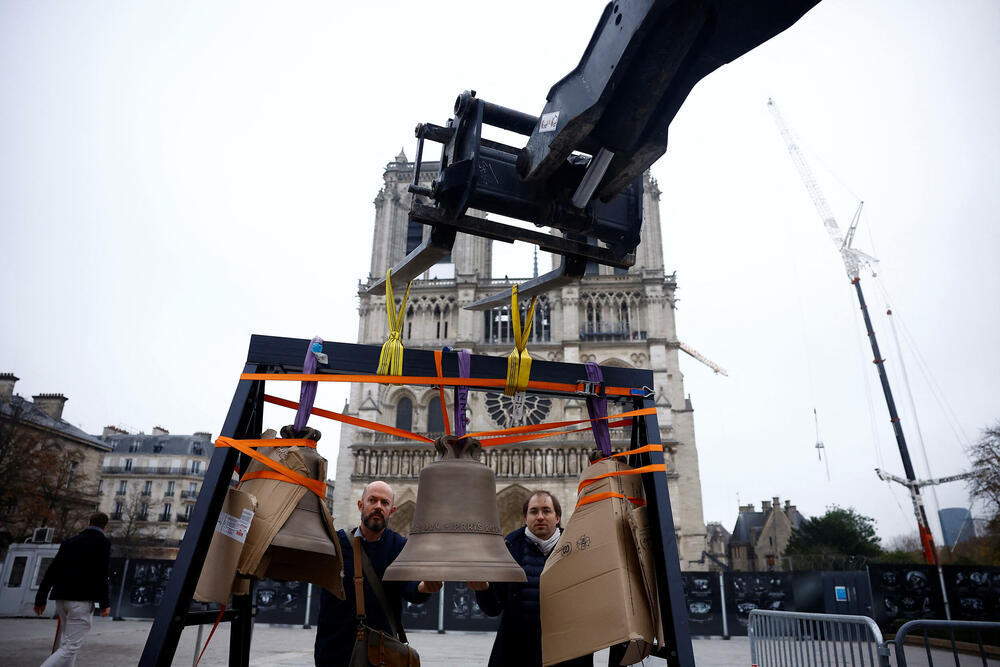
x=455, y=535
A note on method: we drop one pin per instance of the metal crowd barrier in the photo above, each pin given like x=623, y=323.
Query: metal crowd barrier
x=921, y=627
x=794, y=639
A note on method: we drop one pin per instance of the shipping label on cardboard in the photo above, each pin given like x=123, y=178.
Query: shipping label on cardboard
x=235, y=527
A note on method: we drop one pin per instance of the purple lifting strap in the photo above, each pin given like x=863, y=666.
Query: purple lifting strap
x=462, y=393
x=598, y=407
x=307, y=394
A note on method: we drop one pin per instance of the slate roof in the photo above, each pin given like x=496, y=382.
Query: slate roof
x=26, y=411
x=748, y=526
x=186, y=445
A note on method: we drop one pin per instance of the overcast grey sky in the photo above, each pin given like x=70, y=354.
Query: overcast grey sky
x=175, y=176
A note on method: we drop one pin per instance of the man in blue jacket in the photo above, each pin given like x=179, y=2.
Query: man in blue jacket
x=337, y=627
x=77, y=577
x=519, y=639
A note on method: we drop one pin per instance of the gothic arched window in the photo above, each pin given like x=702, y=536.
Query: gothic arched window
x=404, y=414
x=435, y=420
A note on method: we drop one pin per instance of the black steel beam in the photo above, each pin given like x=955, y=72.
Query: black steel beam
x=678, y=651
x=285, y=355
x=244, y=414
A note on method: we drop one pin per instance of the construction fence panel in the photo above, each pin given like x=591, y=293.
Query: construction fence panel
x=799, y=639
x=958, y=643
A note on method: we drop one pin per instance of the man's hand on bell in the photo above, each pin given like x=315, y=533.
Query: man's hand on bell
x=429, y=586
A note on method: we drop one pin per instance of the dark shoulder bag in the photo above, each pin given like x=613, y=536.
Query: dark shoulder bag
x=372, y=647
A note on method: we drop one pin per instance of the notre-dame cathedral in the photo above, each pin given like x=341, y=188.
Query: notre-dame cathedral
x=613, y=317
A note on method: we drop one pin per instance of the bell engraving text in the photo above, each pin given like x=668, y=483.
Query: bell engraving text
x=480, y=527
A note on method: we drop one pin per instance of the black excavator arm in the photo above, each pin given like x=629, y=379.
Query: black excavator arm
x=602, y=126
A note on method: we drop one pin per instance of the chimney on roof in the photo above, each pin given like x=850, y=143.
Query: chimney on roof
x=203, y=435
x=50, y=404
x=777, y=502
x=765, y=506
x=7, y=382
x=159, y=430
x=788, y=505
x=746, y=508
x=114, y=430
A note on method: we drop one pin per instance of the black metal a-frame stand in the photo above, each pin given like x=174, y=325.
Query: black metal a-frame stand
x=270, y=354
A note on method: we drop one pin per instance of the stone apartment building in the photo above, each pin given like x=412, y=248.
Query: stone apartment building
x=49, y=468
x=613, y=317
x=149, y=483
x=759, y=539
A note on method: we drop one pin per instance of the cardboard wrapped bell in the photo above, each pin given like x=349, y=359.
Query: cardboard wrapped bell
x=598, y=587
x=219, y=571
x=292, y=537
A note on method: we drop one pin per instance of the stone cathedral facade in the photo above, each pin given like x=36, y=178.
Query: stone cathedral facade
x=614, y=317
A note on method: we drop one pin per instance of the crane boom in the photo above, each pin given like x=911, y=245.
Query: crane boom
x=719, y=370
x=853, y=259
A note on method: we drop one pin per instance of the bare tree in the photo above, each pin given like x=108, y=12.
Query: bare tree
x=41, y=480
x=131, y=527
x=985, y=456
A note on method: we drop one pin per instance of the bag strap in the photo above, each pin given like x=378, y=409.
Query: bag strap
x=359, y=582
x=363, y=564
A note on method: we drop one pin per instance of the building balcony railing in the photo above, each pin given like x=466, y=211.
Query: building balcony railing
x=182, y=518
x=168, y=494
x=142, y=517
x=405, y=463
x=163, y=517
x=610, y=332
x=166, y=470
x=190, y=495
x=116, y=516
x=146, y=492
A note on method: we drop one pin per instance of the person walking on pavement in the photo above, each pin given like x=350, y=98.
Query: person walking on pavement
x=336, y=630
x=77, y=578
x=519, y=639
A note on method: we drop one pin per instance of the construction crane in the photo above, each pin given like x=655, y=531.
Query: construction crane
x=719, y=370
x=919, y=483
x=853, y=261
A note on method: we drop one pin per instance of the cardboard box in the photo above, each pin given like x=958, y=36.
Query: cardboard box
x=216, y=581
x=593, y=592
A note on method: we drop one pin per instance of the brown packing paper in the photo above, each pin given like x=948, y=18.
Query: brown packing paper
x=216, y=581
x=593, y=593
x=638, y=522
x=280, y=502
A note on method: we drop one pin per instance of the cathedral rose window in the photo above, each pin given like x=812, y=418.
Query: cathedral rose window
x=498, y=407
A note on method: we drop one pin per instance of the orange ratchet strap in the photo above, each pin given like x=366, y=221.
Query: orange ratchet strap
x=640, y=450
x=284, y=473
x=597, y=497
x=353, y=421
x=506, y=440
x=654, y=467
x=444, y=404
x=532, y=428
x=447, y=382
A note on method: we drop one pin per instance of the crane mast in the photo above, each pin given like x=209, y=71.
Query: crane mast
x=853, y=260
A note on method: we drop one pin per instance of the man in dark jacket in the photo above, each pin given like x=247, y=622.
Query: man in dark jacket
x=77, y=577
x=519, y=639
x=337, y=627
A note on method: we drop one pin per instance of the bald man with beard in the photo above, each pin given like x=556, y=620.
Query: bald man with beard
x=337, y=627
